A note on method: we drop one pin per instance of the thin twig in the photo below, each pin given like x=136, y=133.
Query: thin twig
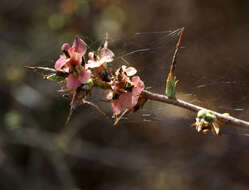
x=45, y=69
x=194, y=108
x=180, y=103
x=96, y=107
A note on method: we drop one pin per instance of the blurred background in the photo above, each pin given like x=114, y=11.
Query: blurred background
x=155, y=148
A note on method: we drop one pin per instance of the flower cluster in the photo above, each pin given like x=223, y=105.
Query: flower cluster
x=81, y=71
x=122, y=88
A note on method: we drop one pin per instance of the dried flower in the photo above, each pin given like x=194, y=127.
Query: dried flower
x=104, y=55
x=126, y=71
x=207, y=121
x=125, y=91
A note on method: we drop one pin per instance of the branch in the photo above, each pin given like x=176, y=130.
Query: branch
x=191, y=107
x=165, y=99
x=45, y=69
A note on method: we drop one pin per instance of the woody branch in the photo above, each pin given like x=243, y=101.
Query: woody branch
x=177, y=102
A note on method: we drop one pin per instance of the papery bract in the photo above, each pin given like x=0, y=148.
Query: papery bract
x=104, y=55
x=127, y=71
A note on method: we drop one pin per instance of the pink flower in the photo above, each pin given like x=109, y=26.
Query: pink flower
x=104, y=55
x=72, y=55
x=71, y=62
x=128, y=100
x=74, y=82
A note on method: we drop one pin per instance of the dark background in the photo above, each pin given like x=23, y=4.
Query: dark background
x=155, y=148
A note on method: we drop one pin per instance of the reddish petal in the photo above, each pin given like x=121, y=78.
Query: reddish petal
x=72, y=82
x=116, y=108
x=127, y=100
x=79, y=46
x=139, y=85
x=60, y=62
x=85, y=76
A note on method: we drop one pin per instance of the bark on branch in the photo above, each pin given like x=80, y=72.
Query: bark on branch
x=177, y=102
x=194, y=108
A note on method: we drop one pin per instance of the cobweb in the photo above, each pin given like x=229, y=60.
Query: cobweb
x=151, y=52
x=146, y=51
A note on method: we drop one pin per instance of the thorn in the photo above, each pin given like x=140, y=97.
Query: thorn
x=71, y=108
x=29, y=67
